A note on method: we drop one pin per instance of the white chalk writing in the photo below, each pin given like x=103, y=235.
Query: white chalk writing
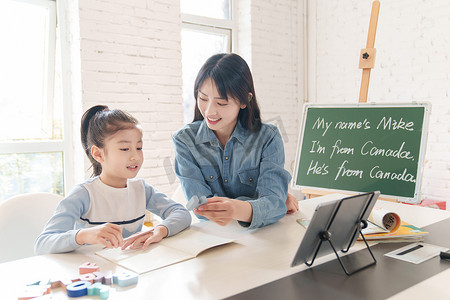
x=392, y=124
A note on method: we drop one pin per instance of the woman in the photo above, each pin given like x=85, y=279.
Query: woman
x=227, y=154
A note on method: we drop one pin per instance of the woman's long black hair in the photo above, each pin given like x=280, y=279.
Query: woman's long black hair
x=233, y=78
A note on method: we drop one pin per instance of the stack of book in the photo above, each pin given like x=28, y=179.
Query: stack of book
x=386, y=226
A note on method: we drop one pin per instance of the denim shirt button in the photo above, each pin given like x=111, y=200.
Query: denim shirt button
x=211, y=177
x=226, y=157
x=251, y=179
x=226, y=180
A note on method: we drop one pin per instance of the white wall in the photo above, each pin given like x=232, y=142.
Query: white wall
x=271, y=41
x=131, y=59
x=276, y=60
x=412, y=64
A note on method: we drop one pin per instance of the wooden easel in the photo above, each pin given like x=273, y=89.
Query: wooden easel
x=366, y=63
x=367, y=57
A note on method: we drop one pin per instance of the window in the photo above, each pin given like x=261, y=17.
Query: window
x=207, y=29
x=33, y=148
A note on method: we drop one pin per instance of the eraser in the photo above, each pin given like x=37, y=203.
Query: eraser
x=203, y=200
x=192, y=203
x=195, y=202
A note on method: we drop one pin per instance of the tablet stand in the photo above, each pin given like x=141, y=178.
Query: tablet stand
x=326, y=236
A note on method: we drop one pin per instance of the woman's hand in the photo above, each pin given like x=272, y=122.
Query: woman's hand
x=108, y=235
x=222, y=210
x=291, y=204
x=142, y=240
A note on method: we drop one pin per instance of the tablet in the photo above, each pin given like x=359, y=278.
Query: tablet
x=342, y=219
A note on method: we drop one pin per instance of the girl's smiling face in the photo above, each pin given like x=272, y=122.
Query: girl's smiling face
x=121, y=158
x=220, y=114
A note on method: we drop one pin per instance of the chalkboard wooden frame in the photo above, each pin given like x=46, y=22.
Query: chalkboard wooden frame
x=387, y=139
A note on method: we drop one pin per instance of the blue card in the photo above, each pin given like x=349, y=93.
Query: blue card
x=195, y=202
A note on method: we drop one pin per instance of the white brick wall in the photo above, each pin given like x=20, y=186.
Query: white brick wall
x=131, y=60
x=274, y=54
x=412, y=64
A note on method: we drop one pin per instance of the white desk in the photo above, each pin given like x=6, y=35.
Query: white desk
x=256, y=258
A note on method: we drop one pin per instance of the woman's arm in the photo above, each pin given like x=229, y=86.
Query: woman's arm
x=222, y=210
x=272, y=187
x=273, y=182
x=188, y=172
x=291, y=204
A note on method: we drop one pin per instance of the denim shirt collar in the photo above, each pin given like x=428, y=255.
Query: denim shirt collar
x=205, y=134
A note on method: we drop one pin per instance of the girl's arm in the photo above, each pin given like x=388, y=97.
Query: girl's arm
x=175, y=219
x=107, y=234
x=175, y=216
x=59, y=234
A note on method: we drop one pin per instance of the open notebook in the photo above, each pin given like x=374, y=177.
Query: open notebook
x=182, y=246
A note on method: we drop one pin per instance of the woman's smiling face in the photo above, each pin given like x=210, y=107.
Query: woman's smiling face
x=220, y=114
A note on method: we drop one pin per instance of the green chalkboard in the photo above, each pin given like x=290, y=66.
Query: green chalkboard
x=363, y=148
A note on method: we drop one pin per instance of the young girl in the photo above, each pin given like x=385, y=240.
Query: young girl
x=227, y=154
x=110, y=206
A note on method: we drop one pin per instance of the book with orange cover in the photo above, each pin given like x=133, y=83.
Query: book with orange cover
x=405, y=233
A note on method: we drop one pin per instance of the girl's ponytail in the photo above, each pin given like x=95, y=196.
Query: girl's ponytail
x=86, y=122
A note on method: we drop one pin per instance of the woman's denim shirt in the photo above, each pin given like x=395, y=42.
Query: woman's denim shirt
x=249, y=168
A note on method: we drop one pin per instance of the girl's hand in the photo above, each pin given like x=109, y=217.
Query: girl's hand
x=142, y=240
x=291, y=204
x=108, y=235
x=222, y=210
